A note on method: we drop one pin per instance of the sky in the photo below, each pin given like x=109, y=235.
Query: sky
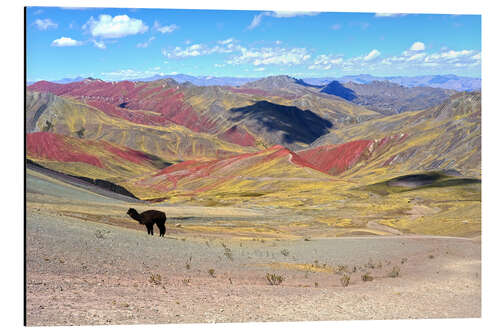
x=120, y=44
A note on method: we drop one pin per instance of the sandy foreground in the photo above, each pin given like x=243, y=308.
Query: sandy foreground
x=82, y=272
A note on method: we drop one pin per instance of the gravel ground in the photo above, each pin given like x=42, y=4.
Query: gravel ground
x=86, y=273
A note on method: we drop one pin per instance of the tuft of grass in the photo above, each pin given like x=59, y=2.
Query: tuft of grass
x=340, y=268
x=285, y=252
x=404, y=260
x=188, y=263
x=431, y=256
x=155, y=279
x=211, y=272
x=395, y=272
x=366, y=277
x=101, y=234
x=274, y=279
x=228, y=253
x=316, y=284
x=345, y=279
x=186, y=282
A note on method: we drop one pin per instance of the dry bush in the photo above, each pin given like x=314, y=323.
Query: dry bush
x=274, y=279
x=155, y=279
x=285, y=252
x=228, y=253
x=345, y=279
x=395, y=272
x=366, y=277
x=340, y=269
x=211, y=272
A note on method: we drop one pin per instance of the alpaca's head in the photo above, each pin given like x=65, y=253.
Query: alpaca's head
x=131, y=212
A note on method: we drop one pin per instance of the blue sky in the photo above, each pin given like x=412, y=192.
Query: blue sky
x=118, y=44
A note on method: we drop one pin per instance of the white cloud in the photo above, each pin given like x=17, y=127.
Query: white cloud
x=226, y=41
x=165, y=29
x=325, y=62
x=271, y=56
x=65, y=41
x=99, y=44
x=127, y=74
x=445, y=60
x=146, y=43
x=45, y=24
x=336, y=26
x=417, y=46
x=389, y=14
x=114, y=27
x=225, y=46
x=278, y=14
x=256, y=21
x=284, y=13
x=372, y=55
x=416, y=57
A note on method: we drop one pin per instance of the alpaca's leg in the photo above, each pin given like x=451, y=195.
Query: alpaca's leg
x=162, y=229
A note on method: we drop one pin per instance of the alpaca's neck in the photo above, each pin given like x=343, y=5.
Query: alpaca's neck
x=135, y=216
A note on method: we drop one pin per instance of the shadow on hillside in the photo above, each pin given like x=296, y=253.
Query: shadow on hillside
x=297, y=125
x=338, y=89
x=419, y=181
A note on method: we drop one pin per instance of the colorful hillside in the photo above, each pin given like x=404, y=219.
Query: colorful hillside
x=270, y=170
x=89, y=158
x=47, y=112
x=208, y=110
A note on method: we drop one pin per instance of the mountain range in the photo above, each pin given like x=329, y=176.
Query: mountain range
x=448, y=81
x=270, y=141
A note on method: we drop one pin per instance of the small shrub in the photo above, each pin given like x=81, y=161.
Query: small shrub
x=340, y=268
x=366, y=277
x=431, y=256
x=101, y=234
x=404, y=260
x=370, y=265
x=228, y=253
x=188, y=263
x=316, y=284
x=186, y=282
x=211, y=272
x=395, y=272
x=47, y=127
x=155, y=279
x=274, y=279
x=285, y=252
x=80, y=132
x=345, y=279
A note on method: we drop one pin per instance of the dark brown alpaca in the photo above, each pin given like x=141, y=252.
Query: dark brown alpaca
x=149, y=218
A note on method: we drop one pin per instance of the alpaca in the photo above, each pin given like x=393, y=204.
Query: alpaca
x=149, y=218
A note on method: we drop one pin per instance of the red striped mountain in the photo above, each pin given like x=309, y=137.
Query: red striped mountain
x=214, y=110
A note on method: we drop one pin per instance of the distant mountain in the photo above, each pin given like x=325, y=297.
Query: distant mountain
x=386, y=97
x=449, y=81
x=201, y=80
x=446, y=136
